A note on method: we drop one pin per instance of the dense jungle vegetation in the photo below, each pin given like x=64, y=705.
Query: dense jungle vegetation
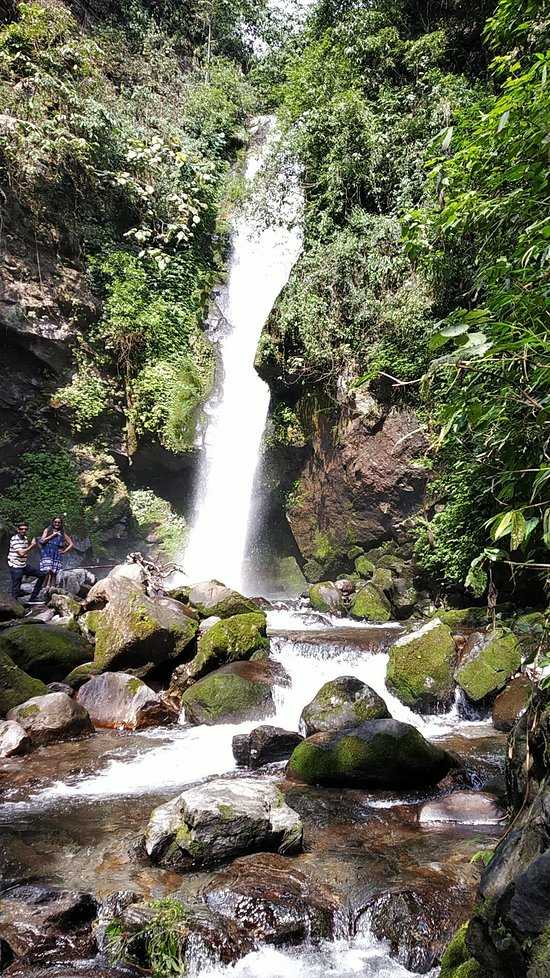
x=421, y=127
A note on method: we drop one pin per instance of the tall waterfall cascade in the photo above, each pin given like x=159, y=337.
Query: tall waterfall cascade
x=262, y=258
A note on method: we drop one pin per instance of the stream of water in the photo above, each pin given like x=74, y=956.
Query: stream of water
x=70, y=813
x=262, y=257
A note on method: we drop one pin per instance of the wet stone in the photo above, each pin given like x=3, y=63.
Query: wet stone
x=264, y=745
x=37, y=921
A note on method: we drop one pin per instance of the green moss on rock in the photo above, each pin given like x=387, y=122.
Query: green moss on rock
x=378, y=753
x=16, y=686
x=237, y=692
x=135, y=631
x=46, y=652
x=457, y=961
x=228, y=641
x=421, y=666
x=325, y=597
x=364, y=567
x=458, y=618
x=370, y=604
x=340, y=703
x=383, y=579
x=488, y=664
x=81, y=674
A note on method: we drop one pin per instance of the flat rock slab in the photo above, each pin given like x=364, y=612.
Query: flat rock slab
x=462, y=808
x=220, y=820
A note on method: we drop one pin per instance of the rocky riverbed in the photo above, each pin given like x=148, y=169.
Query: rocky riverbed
x=364, y=850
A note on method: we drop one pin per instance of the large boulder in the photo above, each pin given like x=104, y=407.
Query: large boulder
x=342, y=702
x=138, y=632
x=488, y=662
x=237, y=692
x=52, y=717
x=228, y=640
x=376, y=754
x=213, y=598
x=370, y=604
x=76, y=581
x=264, y=745
x=118, y=700
x=511, y=703
x=16, y=686
x=421, y=666
x=273, y=900
x=326, y=597
x=48, y=652
x=219, y=820
x=14, y=739
x=10, y=608
x=41, y=924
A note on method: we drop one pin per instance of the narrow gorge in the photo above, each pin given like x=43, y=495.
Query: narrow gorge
x=275, y=359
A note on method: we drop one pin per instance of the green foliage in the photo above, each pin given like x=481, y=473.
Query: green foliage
x=87, y=396
x=158, y=944
x=115, y=151
x=156, y=519
x=493, y=384
x=362, y=98
x=47, y=486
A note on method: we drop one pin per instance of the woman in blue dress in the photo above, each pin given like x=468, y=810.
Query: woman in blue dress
x=55, y=543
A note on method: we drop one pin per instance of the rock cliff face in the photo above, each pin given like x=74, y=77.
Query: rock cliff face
x=357, y=482
x=360, y=484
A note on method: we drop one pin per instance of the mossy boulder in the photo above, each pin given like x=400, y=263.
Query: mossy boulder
x=383, y=580
x=342, y=702
x=47, y=652
x=376, y=754
x=364, y=567
x=10, y=608
x=421, y=668
x=219, y=820
x=370, y=604
x=229, y=640
x=138, y=632
x=313, y=571
x=457, y=961
x=212, y=598
x=489, y=661
x=326, y=597
x=463, y=618
x=16, y=686
x=237, y=692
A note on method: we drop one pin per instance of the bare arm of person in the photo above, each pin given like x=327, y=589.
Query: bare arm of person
x=69, y=545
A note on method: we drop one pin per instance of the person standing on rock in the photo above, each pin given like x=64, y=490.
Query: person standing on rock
x=18, y=552
x=55, y=543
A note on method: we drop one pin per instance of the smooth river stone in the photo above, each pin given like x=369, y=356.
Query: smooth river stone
x=463, y=808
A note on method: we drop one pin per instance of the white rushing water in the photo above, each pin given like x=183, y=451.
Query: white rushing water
x=261, y=261
x=195, y=753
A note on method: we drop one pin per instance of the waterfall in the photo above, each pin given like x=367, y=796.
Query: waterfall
x=261, y=260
